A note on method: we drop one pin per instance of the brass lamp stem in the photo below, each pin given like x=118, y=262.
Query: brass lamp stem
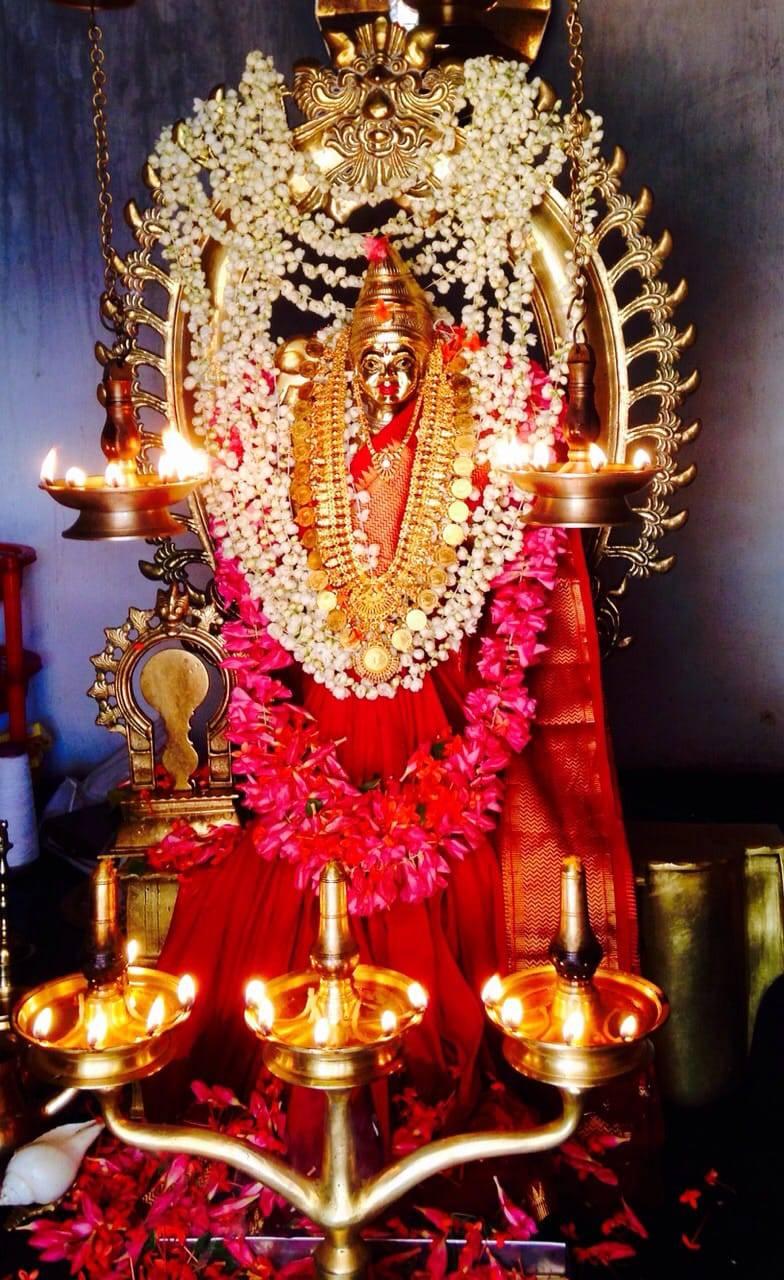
x=105, y=961
x=575, y=950
x=194, y=1141
x=338, y=1201
x=335, y=954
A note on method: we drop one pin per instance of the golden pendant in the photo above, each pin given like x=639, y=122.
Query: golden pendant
x=385, y=463
x=376, y=662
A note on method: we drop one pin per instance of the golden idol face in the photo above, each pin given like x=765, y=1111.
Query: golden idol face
x=388, y=372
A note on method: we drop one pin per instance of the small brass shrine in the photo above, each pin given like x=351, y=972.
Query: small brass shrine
x=173, y=649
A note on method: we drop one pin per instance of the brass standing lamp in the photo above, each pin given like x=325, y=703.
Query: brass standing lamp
x=130, y=499
x=333, y=1027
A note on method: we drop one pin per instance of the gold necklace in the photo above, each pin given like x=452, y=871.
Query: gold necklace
x=377, y=615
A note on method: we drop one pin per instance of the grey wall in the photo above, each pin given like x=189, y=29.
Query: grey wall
x=693, y=91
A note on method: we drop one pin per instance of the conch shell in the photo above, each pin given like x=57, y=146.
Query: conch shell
x=43, y=1171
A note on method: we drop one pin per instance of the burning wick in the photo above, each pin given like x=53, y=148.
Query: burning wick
x=256, y=998
x=628, y=1028
x=417, y=996
x=641, y=459
x=114, y=475
x=388, y=1022
x=186, y=991
x=132, y=950
x=156, y=1015
x=96, y=1029
x=493, y=989
x=597, y=456
x=76, y=478
x=573, y=1027
x=42, y=1024
x=512, y=1012
x=49, y=467
x=255, y=992
x=321, y=1031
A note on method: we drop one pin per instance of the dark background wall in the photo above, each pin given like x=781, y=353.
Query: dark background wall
x=692, y=91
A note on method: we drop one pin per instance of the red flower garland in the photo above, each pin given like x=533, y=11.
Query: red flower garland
x=394, y=838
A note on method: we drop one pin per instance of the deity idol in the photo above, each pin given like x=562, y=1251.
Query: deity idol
x=443, y=734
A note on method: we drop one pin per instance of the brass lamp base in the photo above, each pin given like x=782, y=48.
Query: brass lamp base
x=582, y=499
x=105, y=512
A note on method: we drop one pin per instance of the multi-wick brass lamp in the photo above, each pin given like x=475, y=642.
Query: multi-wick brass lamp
x=332, y=1027
x=127, y=500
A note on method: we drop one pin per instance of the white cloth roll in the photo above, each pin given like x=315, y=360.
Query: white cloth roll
x=17, y=806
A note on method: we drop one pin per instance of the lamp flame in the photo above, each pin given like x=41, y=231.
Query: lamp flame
x=493, y=989
x=540, y=456
x=512, y=1012
x=186, y=991
x=114, y=475
x=629, y=1027
x=573, y=1027
x=76, y=477
x=321, y=1031
x=179, y=461
x=641, y=459
x=256, y=998
x=42, y=1023
x=388, y=1022
x=156, y=1015
x=49, y=467
x=97, y=1028
x=255, y=992
x=597, y=456
x=132, y=949
x=509, y=454
x=417, y=996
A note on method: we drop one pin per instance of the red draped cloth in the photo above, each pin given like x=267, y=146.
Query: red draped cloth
x=246, y=918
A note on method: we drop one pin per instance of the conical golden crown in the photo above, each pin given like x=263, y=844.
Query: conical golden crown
x=390, y=302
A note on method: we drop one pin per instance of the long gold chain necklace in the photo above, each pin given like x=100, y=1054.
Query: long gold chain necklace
x=378, y=615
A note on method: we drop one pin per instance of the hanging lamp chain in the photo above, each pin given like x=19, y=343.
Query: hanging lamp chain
x=575, y=145
x=105, y=222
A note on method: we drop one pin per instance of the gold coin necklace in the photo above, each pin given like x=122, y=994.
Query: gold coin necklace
x=376, y=615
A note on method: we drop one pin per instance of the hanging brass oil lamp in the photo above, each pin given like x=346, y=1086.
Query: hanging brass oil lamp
x=129, y=499
x=586, y=490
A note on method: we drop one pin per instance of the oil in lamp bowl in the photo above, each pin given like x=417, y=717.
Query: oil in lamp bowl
x=358, y=1050
x=582, y=499
x=618, y=1011
x=130, y=1052
x=140, y=510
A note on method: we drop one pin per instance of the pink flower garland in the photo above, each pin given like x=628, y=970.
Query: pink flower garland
x=396, y=837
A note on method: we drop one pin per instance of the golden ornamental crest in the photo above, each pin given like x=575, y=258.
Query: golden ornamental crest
x=371, y=115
